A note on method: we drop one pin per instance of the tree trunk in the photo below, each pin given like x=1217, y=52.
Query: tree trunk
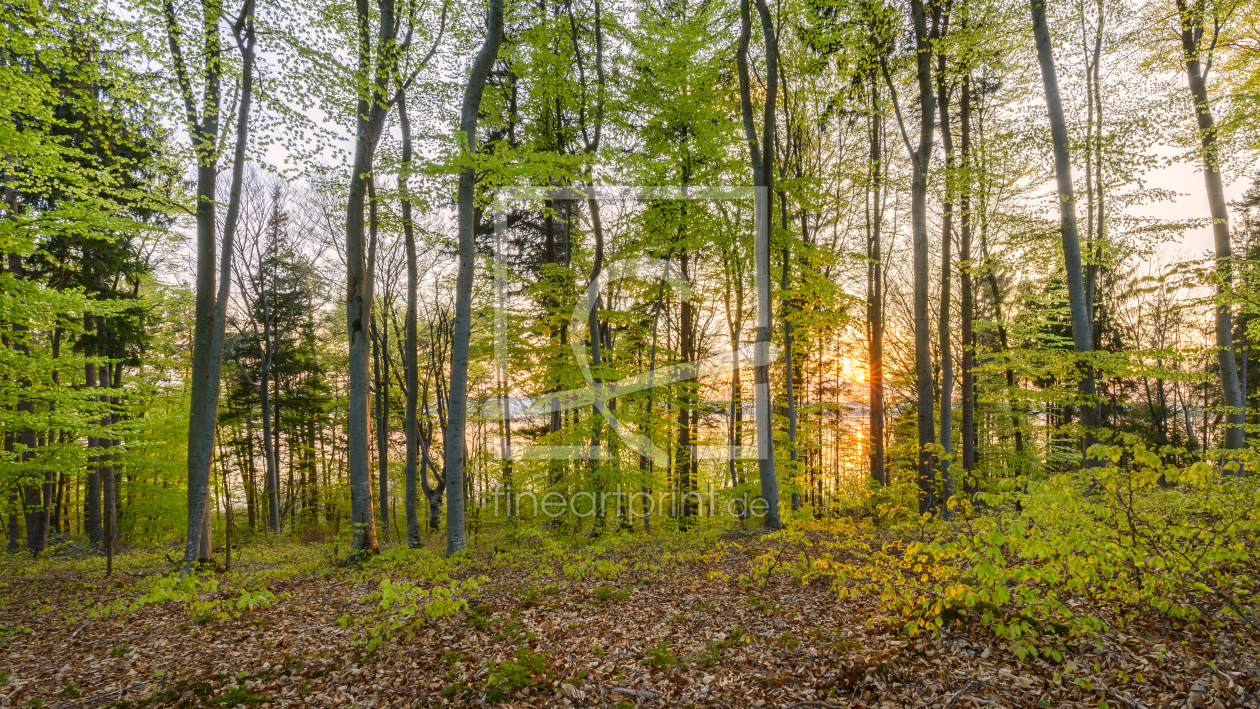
x=210, y=312
x=875, y=290
x=411, y=355
x=943, y=329
x=380, y=372
x=1082, y=336
x=372, y=109
x=968, y=301
x=593, y=336
x=1192, y=21
x=15, y=502
x=920, y=159
x=269, y=447
x=109, y=496
x=733, y=289
x=457, y=402
x=251, y=468
x=32, y=503
x=761, y=155
x=789, y=366
x=92, y=495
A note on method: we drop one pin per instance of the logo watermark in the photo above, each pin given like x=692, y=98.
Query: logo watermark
x=635, y=505
x=597, y=393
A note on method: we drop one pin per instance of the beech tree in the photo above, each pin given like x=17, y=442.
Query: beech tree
x=761, y=155
x=1082, y=327
x=457, y=401
x=204, y=125
x=1200, y=26
x=920, y=161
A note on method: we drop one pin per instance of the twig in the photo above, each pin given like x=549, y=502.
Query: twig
x=95, y=700
x=960, y=692
x=813, y=703
x=1124, y=697
x=312, y=627
x=636, y=693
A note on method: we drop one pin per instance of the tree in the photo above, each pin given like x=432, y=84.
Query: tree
x=211, y=315
x=1194, y=17
x=920, y=161
x=1082, y=327
x=272, y=281
x=947, y=236
x=411, y=349
x=761, y=155
x=457, y=402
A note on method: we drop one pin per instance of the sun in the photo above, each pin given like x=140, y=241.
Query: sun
x=854, y=370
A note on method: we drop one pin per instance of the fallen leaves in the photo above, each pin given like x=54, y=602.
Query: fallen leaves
x=544, y=638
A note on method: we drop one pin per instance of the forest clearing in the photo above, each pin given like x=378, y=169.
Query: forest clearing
x=704, y=619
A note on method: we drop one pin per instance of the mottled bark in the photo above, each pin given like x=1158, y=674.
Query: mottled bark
x=761, y=155
x=457, y=401
x=1193, y=18
x=1082, y=328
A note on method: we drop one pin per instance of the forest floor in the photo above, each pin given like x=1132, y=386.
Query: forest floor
x=661, y=621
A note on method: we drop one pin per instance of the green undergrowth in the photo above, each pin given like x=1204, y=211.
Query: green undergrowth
x=1131, y=541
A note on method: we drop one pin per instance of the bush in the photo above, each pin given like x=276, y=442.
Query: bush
x=1089, y=551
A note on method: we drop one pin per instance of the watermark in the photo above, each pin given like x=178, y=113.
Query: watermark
x=635, y=505
x=597, y=393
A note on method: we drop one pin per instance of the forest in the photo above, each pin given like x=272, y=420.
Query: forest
x=761, y=353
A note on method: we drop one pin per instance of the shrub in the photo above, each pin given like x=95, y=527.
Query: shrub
x=526, y=669
x=1087, y=551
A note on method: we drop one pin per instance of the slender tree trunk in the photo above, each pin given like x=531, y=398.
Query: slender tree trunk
x=380, y=371
x=789, y=367
x=109, y=490
x=761, y=155
x=457, y=402
x=411, y=358
x=943, y=322
x=109, y=496
x=250, y=468
x=15, y=502
x=210, y=311
x=1193, y=18
x=920, y=159
x=269, y=446
x=1095, y=187
x=875, y=290
x=685, y=462
x=32, y=507
x=970, y=487
x=597, y=357
x=734, y=292
x=92, y=496
x=1242, y=376
x=1082, y=336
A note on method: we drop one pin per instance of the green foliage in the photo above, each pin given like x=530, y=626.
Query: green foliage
x=604, y=592
x=712, y=654
x=203, y=597
x=402, y=608
x=1090, y=550
x=660, y=656
x=237, y=696
x=526, y=668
